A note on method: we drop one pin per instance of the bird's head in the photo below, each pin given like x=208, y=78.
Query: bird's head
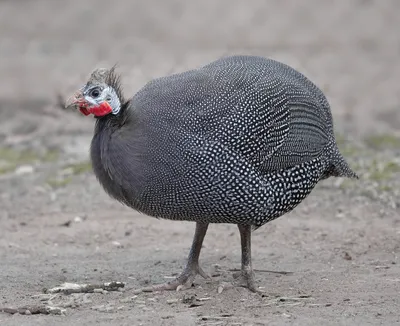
x=100, y=96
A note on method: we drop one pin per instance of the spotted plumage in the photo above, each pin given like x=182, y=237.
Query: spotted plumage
x=241, y=140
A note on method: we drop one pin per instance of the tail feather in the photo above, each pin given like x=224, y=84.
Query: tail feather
x=341, y=168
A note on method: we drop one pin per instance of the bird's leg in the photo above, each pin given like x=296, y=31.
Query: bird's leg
x=186, y=278
x=246, y=276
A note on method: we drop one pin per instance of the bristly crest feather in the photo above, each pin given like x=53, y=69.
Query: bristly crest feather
x=114, y=80
x=109, y=77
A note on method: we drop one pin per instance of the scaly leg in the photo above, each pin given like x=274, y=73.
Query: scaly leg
x=186, y=278
x=246, y=276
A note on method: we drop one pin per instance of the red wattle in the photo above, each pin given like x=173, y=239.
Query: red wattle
x=101, y=110
x=84, y=111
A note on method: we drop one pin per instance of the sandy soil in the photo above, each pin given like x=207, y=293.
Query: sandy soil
x=57, y=225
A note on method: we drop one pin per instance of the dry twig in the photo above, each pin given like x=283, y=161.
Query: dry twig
x=68, y=288
x=34, y=310
x=262, y=271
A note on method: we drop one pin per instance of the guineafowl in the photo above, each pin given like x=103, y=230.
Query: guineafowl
x=241, y=140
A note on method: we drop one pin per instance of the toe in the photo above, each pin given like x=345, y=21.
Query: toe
x=203, y=274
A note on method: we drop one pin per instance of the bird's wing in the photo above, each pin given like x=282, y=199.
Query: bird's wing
x=274, y=126
x=259, y=109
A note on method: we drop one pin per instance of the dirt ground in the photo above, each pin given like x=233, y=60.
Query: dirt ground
x=57, y=225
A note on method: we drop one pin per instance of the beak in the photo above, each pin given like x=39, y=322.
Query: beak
x=74, y=101
x=77, y=101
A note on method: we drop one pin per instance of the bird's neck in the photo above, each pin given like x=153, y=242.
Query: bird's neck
x=110, y=122
x=115, y=159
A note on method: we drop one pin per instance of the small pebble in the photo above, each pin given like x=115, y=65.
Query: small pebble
x=167, y=317
x=140, y=302
x=78, y=219
x=56, y=310
x=117, y=244
x=66, y=224
x=24, y=169
x=103, y=308
x=347, y=256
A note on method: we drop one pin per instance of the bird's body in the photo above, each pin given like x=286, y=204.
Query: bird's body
x=241, y=140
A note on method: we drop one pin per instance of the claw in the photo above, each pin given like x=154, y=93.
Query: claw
x=182, y=282
x=192, y=269
x=203, y=274
x=245, y=278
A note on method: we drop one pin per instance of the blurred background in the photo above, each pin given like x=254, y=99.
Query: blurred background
x=54, y=214
x=349, y=48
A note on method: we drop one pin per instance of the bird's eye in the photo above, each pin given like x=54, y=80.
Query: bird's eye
x=94, y=93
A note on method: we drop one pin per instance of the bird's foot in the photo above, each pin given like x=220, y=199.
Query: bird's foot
x=182, y=282
x=245, y=278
